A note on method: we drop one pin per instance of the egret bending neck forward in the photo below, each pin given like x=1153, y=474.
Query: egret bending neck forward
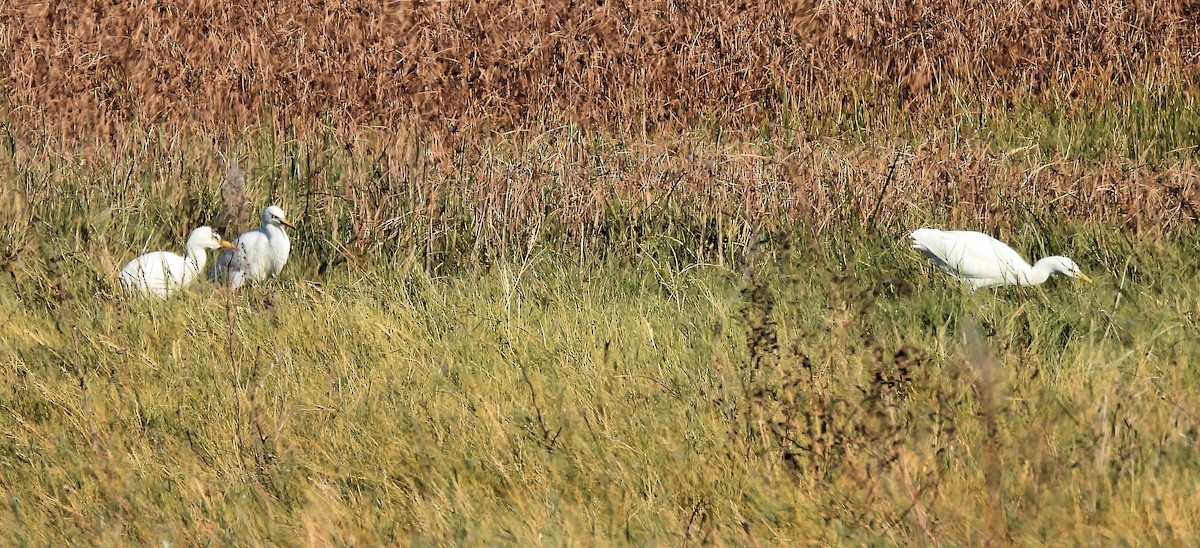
x=195, y=257
x=1044, y=268
x=980, y=260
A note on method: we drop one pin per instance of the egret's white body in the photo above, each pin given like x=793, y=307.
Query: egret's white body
x=258, y=254
x=161, y=273
x=979, y=260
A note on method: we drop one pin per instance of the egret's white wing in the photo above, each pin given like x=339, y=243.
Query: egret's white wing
x=250, y=257
x=158, y=273
x=972, y=256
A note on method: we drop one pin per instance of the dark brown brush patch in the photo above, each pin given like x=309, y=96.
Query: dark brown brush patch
x=633, y=65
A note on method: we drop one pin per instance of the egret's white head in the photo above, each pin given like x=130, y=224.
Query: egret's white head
x=207, y=238
x=1066, y=267
x=274, y=215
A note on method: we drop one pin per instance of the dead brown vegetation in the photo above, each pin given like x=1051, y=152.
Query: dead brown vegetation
x=634, y=65
x=467, y=128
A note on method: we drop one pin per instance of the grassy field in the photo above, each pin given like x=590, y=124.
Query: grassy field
x=661, y=385
x=568, y=276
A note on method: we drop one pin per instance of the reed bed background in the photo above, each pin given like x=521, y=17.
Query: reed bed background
x=633, y=67
x=620, y=273
x=497, y=120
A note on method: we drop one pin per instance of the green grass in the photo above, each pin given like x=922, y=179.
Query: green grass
x=847, y=394
x=1150, y=123
x=436, y=367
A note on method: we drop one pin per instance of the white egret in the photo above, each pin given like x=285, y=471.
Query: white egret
x=258, y=254
x=161, y=273
x=979, y=260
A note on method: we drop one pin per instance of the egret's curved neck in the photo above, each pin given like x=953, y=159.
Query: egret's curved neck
x=1041, y=271
x=275, y=231
x=196, y=258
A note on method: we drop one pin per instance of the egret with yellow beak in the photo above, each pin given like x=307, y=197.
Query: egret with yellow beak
x=979, y=260
x=161, y=273
x=257, y=255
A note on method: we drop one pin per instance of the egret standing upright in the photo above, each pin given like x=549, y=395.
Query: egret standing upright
x=258, y=254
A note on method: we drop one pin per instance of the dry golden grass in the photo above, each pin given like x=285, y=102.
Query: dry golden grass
x=835, y=394
x=592, y=274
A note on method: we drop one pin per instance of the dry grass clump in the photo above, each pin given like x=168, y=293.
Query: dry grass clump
x=235, y=201
x=628, y=66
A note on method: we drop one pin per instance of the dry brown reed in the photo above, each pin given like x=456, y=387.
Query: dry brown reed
x=486, y=126
x=507, y=197
x=489, y=199
x=641, y=65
